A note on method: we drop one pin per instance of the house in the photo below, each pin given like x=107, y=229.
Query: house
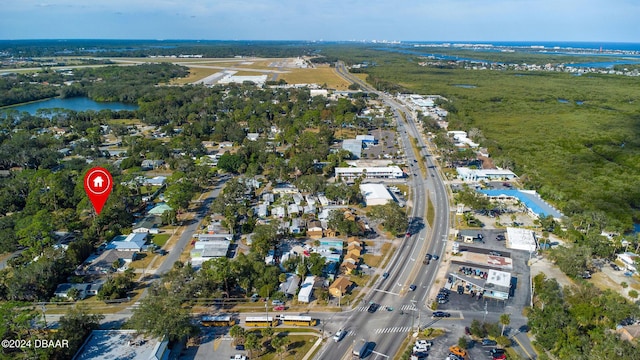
x=160, y=209
x=278, y=212
x=131, y=242
x=628, y=259
x=151, y=164
x=261, y=210
x=290, y=286
x=340, y=286
x=306, y=290
x=314, y=229
x=104, y=262
x=253, y=136
x=629, y=332
x=206, y=250
x=268, y=198
x=348, y=267
x=296, y=226
x=293, y=210
x=148, y=225
x=155, y=181
x=351, y=258
x=63, y=290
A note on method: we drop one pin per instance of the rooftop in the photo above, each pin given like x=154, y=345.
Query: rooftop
x=121, y=344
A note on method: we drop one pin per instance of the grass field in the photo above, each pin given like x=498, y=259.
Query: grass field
x=195, y=74
x=320, y=75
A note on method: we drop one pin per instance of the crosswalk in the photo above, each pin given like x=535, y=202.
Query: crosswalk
x=383, y=307
x=397, y=329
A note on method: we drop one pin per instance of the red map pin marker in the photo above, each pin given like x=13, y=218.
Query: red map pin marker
x=98, y=184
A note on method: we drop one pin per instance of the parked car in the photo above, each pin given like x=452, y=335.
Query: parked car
x=441, y=314
x=467, y=330
x=279, y=308
x=488, y=342
x=277, y=302
x=436, y=257
x=496, y=351
x=458, y=351
x=615, y=267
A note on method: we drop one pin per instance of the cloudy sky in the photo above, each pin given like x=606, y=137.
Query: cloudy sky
x=427, y=20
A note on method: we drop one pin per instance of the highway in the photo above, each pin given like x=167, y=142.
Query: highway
x=387, y=329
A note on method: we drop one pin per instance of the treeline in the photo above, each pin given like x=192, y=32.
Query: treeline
x=578, y=322
x=109, y=83
x=144, y=48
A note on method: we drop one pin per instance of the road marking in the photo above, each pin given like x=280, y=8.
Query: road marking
x=397, y=329
x=387, y=292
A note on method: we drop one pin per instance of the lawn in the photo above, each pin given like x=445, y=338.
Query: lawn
x=298, y=347
x=160, y=239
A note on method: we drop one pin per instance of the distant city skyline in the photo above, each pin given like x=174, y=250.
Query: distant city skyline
x=404, y=20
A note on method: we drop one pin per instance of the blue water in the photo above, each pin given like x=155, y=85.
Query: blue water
x=632, y=55
x=76, y=104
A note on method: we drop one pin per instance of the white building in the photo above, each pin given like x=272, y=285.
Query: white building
x=521, y=239
x=467, y=174
x=353, y=146
x=369, y=139
x=628, y=258
x=306, y=290
x=375, y=194
x=461, y=139
x=388, y=172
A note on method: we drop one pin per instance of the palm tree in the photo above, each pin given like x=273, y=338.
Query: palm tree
x=237, y=333
x=505, y=319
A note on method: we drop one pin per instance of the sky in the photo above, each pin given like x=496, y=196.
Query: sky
x=404, y=20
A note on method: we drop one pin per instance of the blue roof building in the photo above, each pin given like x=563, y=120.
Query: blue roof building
x=529, y=198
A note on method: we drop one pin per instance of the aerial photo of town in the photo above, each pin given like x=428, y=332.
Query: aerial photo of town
x=319, y=181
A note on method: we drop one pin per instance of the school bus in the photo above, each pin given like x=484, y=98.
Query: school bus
x=298, y=320
x=261, y=321
x=217, y=320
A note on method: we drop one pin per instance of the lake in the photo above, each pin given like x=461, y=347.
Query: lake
x=76, y=104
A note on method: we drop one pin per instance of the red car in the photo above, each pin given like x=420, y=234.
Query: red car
x=279, y=308
x=500, y=357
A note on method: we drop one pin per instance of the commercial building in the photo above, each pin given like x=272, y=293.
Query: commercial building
x=529, y=198
x=467, y=174
x=387, y=172
x=521, y=239
x=375, y=194
x=353, y=146
x=122, y=344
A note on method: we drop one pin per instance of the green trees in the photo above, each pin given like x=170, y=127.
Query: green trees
x=505, y=320
x=576, y=322
x=393, y=216
x=161, y=314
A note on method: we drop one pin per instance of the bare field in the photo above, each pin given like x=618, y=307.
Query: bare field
x=320, y=75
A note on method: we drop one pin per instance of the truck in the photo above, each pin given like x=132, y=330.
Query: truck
x=361, y=351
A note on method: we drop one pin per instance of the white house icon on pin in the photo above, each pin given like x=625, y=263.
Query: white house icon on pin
x=98, y=181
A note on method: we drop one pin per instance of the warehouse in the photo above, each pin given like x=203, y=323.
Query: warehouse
x=375, y=194
x=521, y=239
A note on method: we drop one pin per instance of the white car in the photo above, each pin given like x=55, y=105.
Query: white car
x=339, y=335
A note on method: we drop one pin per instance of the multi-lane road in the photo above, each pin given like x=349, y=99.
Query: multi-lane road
x=387, y=329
